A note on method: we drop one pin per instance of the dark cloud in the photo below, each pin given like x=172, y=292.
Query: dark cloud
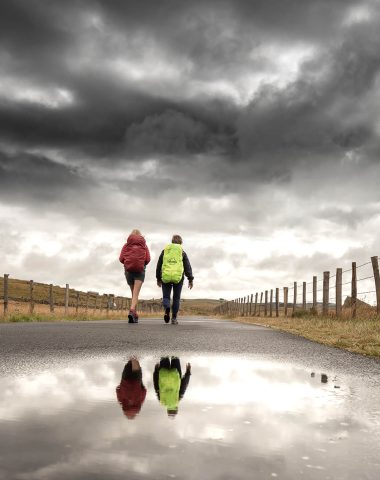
x=322, y=114
x=25, y=176
x=222, y=41
x=238, y=119
x=173, y=132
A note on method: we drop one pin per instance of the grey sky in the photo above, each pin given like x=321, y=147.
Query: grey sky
x=252, y=128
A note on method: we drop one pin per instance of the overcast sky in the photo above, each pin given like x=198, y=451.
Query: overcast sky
x=251, y=128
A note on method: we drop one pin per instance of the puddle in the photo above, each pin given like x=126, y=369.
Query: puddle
x=227, y=418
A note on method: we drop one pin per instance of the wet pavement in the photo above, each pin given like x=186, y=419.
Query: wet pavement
x=262, y=411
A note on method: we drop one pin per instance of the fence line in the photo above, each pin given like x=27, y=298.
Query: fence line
x=70, y=301
x=244, y=306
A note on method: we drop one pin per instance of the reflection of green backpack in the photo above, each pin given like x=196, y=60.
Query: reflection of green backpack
x=172, y=264
x=169, y=382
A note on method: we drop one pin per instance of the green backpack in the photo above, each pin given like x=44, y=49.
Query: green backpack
x=169, y=382
x=172, y=264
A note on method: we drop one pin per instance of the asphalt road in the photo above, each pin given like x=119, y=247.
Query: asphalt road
x=259, y=401
x=24, y=344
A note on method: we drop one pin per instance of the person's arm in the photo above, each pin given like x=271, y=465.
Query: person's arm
x=188, y=270
x=122, y=254
x=147, y=255
x=156, y=374
x=185, y=381
x=159, y=268
x=142, y=393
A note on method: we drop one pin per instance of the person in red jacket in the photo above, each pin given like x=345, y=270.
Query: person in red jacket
x=131, y=392
x=135, y=257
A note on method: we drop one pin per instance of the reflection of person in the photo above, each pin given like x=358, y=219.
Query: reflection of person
x=169, y=384
x=131, y=391
x=135, y=257
x=172, y=265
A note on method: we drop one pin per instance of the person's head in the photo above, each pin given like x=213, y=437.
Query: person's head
x=177, y=239
x=136, y=232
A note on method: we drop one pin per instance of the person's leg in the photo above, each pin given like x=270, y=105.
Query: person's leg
x=166, y=292
x=176, y=298
x=127, y=370
x=165, y=362
x=135, y=293
x=130, y=281
x=175, y=363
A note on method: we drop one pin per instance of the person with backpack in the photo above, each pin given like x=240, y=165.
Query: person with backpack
x=135, y=257
x=173, y=264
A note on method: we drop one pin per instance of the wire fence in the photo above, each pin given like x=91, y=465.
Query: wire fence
x=319, y=296
x=30, y=297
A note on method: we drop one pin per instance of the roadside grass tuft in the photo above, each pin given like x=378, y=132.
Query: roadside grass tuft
x=42, y=317
x=360, y=335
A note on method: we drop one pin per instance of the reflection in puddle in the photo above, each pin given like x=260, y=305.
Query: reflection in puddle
x=239, y=418
x=169, y=384
x=131, y=392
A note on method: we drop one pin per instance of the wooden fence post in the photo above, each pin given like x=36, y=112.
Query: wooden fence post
x=338, y=291
x=77, y=304
x=304, y=296
x=243, y=307
x=326, y=286
x=261, y=302
x=31, y=289
x=51, y=298
x=294, y=296
x=87, y=301
x=286, y=301
x=67, y=299
x=375, y=266
x=266, y=303
x=315, y=294
x=255, y=309
x=250, y=305
x=6, y=289
x=277, y=302
x=354, y=290
x=271, y=303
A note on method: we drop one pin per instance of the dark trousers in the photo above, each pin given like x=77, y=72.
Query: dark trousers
x=166, y=292
x=168, y=363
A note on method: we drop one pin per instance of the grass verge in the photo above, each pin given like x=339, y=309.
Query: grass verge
x=42, y=317
x=360, y=335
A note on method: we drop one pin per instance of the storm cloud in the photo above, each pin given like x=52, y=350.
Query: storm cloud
x=250, y=127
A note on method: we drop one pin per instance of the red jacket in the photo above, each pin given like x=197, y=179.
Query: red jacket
x=135, y=254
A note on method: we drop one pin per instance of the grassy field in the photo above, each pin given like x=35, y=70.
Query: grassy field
x=360, y=335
